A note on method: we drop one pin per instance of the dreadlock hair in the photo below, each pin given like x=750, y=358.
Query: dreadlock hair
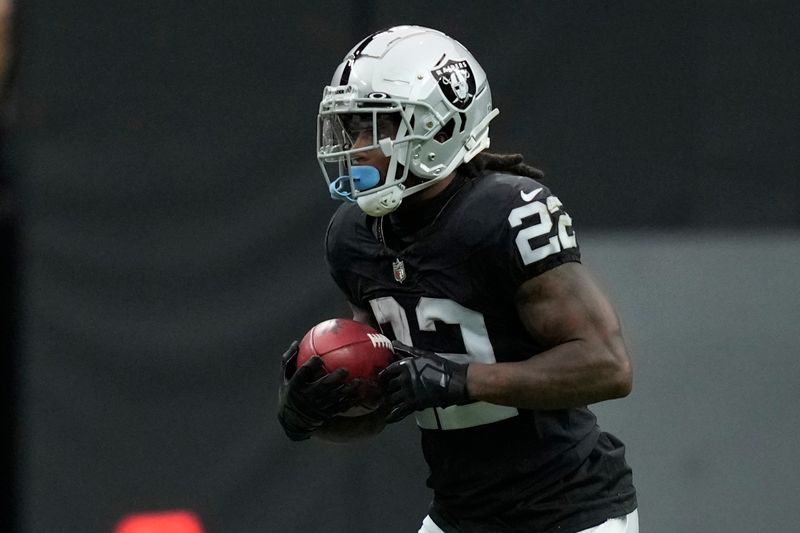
x=511, y=163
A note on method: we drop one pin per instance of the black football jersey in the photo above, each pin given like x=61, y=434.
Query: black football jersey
x=452, y=290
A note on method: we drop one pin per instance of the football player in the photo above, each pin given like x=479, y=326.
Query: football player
x=472, y=266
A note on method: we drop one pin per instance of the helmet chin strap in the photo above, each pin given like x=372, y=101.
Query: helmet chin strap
x=386, y=200
x=381, y=202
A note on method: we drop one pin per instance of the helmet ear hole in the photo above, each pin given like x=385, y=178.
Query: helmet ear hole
x=446, y=133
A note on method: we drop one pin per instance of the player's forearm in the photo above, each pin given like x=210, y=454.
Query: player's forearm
x=572, y=374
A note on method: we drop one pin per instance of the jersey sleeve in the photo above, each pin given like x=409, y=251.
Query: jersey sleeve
x=537, y=233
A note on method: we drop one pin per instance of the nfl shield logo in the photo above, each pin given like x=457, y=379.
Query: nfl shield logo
x=399, y=269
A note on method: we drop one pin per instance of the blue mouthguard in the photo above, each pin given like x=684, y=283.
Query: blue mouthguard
x=363, y=177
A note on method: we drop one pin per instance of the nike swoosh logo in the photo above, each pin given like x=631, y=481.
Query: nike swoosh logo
x=528, y=196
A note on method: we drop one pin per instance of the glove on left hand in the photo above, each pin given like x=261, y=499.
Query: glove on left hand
x=309, y=396
x=422, y=379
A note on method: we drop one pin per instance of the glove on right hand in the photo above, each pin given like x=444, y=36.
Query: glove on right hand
x=422, y=379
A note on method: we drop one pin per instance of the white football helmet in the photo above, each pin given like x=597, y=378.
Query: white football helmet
x=419, y=81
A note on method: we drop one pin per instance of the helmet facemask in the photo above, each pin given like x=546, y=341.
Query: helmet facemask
x=389, y=124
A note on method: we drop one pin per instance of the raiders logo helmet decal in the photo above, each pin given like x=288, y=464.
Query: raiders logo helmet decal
x=456, y=82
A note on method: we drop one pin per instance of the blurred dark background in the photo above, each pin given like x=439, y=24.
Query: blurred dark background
x=161, y=223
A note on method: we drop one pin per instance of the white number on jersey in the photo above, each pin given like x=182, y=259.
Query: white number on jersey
x=563, y=239
x=476, y=343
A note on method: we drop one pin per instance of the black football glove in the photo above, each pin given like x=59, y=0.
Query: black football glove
x=422, y=379
x=309, y=396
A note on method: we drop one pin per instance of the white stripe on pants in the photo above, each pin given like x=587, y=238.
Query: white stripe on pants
x=624, y=524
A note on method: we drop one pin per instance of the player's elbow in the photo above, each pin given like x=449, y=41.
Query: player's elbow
x=621, y=382
x=619, y=370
